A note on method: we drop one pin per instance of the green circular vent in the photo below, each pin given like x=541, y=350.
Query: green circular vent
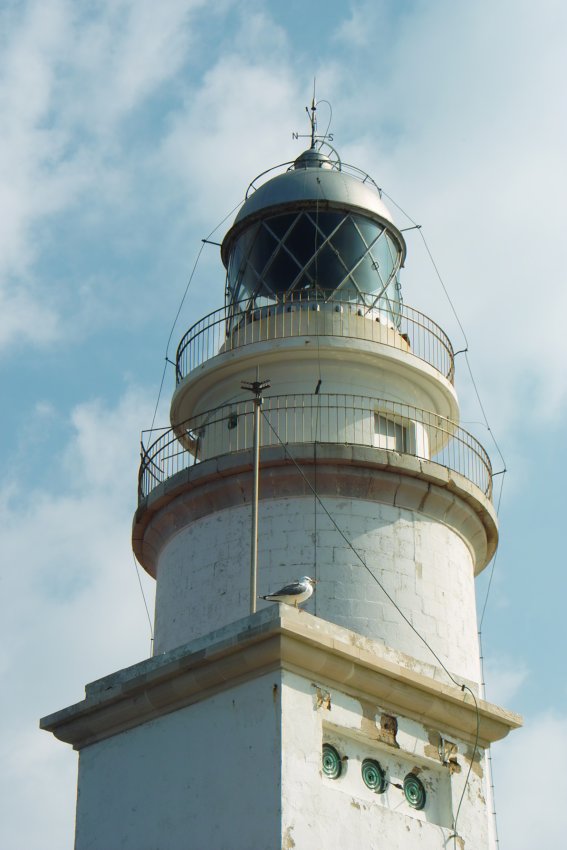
x=332, y=764
x=414, y=791
x=373, y=775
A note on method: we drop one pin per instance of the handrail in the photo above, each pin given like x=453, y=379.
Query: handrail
x=308, y=418
x=237, y=325
x=338, y=165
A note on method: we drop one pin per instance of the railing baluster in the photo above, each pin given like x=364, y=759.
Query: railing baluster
x=209, y=337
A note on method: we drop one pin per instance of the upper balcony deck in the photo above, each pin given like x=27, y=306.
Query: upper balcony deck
x=391, y=429
x=304, y=315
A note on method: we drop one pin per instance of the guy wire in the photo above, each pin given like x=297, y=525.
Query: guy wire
x=473, y=381
x=318, y=387
x=492, y=566
x=145, y=603
x=181, y=303
x=419, y=228
x=461, y=685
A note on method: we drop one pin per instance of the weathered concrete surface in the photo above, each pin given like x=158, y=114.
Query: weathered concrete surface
x=218, y=745
x=278, y=637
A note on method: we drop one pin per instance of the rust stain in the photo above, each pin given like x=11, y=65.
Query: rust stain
x=388, y=729
x=322, y=698
x=288, y=843
x=443, y=750
x=449, y=754
x=385, y=732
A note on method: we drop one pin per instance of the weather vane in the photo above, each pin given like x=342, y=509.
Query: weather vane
x=311, y=112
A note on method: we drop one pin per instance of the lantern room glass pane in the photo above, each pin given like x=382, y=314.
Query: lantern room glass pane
x=326, y=221
x=342, y=255
x=348, y=243
x=369, y=230
x=303, y=240
x=282, y=271
x=262, y=249
x=280, y=224
x=327, y=270
x=365, y=275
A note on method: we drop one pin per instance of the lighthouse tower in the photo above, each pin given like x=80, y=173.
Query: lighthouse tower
x=358, y=721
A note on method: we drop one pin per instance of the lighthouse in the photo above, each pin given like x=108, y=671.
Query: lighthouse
x=314, y=431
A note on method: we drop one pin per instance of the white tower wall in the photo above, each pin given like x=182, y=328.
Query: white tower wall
x=425, y=566
x=150, y=787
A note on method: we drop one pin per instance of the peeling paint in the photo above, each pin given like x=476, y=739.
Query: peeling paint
x=368, y=725
x=433, y=749
x=476, y=765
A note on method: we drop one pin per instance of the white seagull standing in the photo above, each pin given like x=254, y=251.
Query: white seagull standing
x=294, y=593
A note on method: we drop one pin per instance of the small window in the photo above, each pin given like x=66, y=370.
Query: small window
x=389, y=434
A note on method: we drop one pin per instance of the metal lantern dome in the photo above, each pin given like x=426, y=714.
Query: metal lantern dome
x=318, y=231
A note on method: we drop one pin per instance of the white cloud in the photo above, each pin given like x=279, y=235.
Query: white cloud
x=368, y=25
x=71, y=605
x=529, y=772
x=459, y=121
x=70, y=75
x=22, y=316
x=124, y=53
x=236, y=123
x=504, y=677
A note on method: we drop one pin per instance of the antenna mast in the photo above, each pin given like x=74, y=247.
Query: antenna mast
x=311, y=114
x=312, y=118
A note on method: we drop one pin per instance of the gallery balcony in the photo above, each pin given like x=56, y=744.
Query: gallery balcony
x=303, y=314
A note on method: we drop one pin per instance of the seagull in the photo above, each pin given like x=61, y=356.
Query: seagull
x=294, y=593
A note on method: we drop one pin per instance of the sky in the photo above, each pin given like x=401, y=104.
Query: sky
x=130, y=129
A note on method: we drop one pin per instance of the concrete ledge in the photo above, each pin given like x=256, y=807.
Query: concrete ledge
x=346, y=470
x=278, y=637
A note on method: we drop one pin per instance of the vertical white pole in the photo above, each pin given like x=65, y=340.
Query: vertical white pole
x=254, y=530
x=257, y=388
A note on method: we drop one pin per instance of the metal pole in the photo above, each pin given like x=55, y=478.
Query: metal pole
x=254, y=530
x=255, y=387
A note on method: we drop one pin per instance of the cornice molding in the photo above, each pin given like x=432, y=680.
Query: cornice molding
x=343, y=471
x=276, y=638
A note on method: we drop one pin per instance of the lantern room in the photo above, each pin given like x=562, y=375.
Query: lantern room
x=320, y=231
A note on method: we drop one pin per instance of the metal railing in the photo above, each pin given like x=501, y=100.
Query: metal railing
x=323, y=418
x=299, y=314
x=335, y=165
